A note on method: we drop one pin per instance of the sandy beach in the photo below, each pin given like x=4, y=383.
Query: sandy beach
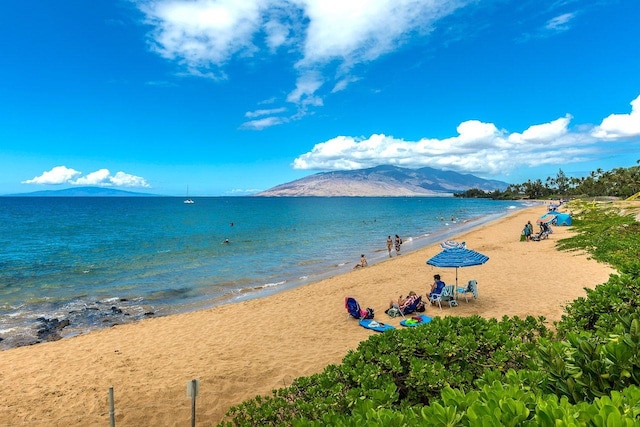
x=249, y=348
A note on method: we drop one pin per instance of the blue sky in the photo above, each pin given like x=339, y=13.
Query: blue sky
x=231, y=97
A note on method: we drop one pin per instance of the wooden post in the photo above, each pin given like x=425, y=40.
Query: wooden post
x=112, y=409
x=193, y=403
x=192, y=392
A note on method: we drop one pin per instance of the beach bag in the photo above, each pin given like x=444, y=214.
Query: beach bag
x=369, y=313
x=393, y=312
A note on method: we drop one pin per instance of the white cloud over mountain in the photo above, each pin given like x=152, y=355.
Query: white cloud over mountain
x=101, y=178
x=57, y=175
x=478, y=148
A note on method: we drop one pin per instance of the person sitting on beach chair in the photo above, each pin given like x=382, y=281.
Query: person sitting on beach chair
x=405, y=305
x=545, y=230
x=437, y=286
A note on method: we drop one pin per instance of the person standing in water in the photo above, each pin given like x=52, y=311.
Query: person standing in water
x=389, y=245
x=398, y=242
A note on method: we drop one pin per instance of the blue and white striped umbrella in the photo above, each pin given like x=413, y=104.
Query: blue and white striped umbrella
x=448, y=244
x=456, y=257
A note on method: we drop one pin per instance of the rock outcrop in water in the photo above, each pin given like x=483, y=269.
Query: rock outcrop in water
x=50, y=328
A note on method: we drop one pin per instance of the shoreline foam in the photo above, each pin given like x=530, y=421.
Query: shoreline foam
x=240, y=350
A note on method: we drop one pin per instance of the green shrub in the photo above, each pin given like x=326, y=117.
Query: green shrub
x=401, y=368
x=586, y=365
x=603, y=306
x=497, y=404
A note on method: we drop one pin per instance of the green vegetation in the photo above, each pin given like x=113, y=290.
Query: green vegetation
x=472, y=371
x=619, y=182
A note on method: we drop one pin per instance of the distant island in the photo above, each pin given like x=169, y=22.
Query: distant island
x=84, y=192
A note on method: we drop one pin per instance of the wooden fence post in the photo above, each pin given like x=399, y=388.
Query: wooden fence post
x=112, y=409
x=194, y=385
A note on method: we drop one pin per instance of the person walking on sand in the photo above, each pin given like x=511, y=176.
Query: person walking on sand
x=363, y=262
x=398, y=242
x=389, y=245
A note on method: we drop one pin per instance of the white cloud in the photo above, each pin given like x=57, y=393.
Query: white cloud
x=560, y=22
x=122, y=179
x=543, y=133
x=202, y=33
x=265, y=122
x=321, y=37
x=306, y=86
x=620, y=126
x=342, y=84
x=258, y=113
x=237, y=191
x=101, y=178
x=57, y=175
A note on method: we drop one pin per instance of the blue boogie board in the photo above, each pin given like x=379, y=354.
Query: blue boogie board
x=375, y=325
x=411, y=321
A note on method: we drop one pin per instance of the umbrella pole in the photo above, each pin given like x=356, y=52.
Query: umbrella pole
x=455, y=293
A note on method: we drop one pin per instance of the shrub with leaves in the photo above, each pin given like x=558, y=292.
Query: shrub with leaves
x=603, y=307
x=497, y=404
x=401, y=368
x=586, y=365
x=607, y=235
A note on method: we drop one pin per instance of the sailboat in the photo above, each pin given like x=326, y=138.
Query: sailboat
x=188, y=200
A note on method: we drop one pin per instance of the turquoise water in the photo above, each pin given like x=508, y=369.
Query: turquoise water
x=100, y=261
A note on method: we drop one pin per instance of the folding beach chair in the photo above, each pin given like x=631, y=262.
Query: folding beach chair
x=412, y=307
x=354, y=310
x=447, y=295
x=472, y=288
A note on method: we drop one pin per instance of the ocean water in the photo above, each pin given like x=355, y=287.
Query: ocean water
x=103, y=261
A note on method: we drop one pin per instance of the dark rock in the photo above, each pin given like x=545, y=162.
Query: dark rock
x=50, y=329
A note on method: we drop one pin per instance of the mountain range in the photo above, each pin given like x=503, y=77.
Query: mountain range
x=384, y=181
x=373, y=182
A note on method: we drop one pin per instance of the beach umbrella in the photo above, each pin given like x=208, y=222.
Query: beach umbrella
x=546, y=218
x=448, y=244
x=456, y=256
